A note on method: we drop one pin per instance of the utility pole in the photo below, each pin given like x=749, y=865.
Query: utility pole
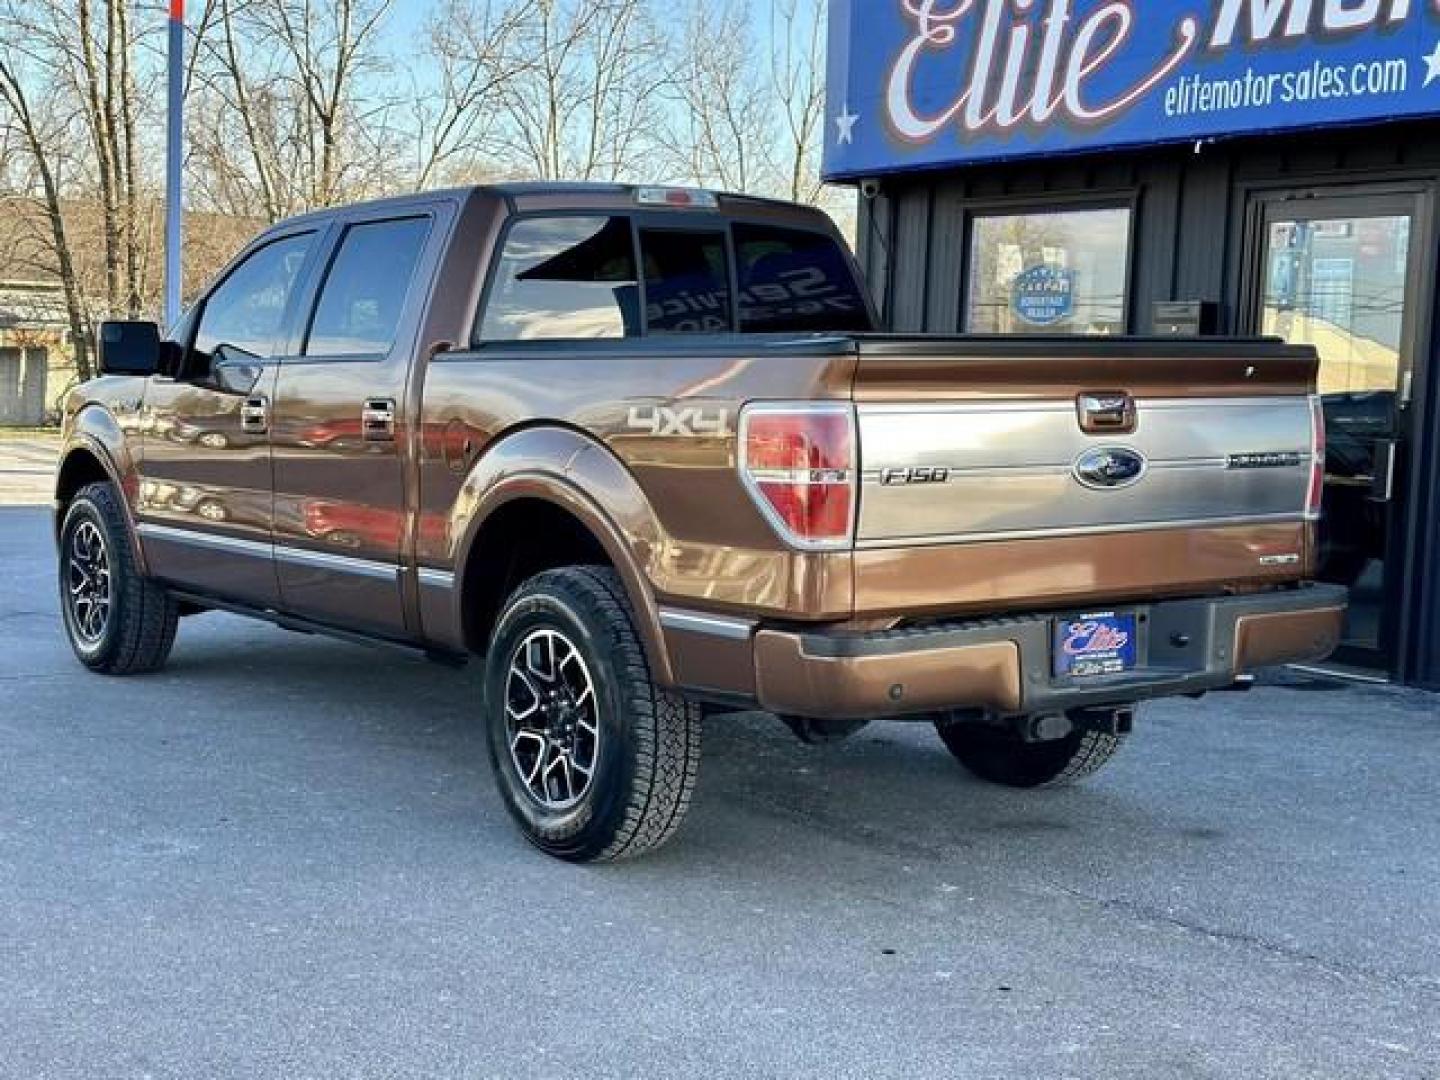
x=174, y=163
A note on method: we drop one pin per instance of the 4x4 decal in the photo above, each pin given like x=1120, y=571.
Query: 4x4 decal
x=686, y=422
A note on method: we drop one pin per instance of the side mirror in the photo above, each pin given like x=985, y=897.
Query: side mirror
x=130, y=348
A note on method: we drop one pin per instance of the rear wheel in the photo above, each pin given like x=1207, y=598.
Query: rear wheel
x=595, y=762
x=119, y=622
x=1001, y=756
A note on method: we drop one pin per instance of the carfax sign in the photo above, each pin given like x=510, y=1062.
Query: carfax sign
x=1043, y=295
x=916, y=83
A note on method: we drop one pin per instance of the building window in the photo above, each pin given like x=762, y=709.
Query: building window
x=1060, y=272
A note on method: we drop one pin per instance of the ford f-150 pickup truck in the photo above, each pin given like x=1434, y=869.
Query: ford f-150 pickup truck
x=643, y=454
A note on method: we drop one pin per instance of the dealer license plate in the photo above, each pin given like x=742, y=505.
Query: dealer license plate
x=1104, y=644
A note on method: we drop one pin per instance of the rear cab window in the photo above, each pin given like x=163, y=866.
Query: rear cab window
x=794, y=281
x=687, y=282
x=564, y=278
x=578, y=277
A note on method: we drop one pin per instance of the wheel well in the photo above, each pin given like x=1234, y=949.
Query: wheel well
x=521, y=539
x=81, y=467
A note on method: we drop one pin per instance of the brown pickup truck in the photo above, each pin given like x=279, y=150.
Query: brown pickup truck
x=644, y=452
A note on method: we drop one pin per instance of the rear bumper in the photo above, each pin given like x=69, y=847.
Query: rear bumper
x=1004, y=665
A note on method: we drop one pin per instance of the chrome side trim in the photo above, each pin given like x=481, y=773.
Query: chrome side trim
x=1009, y=467
x=340, y=564
x=436, y=579
x=1085, y=530
x=714, y=625
x=953, y=473
x=253, y=548
x=1026, y=405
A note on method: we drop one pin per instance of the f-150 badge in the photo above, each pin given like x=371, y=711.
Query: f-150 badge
x=937, y=474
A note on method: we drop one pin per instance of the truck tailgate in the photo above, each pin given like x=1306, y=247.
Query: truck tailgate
x=1057, y=472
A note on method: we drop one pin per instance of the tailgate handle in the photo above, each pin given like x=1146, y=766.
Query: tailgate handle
x=1106, y=412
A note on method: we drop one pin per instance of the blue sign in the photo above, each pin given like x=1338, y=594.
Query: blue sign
x=1043, y=295
x=922, y=83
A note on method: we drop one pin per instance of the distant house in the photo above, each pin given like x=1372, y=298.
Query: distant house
x=36, y=352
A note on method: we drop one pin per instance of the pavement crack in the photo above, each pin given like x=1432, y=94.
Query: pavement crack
x=1150, y=914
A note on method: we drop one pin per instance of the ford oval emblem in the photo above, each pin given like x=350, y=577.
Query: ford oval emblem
x=1107, y=468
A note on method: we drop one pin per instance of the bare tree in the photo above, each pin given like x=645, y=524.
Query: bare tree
x=588, y=103
x=293, y=82
x=43, y=141
x=722, y=116
x=797, y=78
x=294, y=104
x=89, y=49
x=329, y=48
x=472, y=46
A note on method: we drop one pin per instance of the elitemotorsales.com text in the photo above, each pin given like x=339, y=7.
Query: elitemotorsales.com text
x=1319, y=82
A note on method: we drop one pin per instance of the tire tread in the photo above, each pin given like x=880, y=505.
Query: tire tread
x=1001, y=757
x=148, y=615
x=665, y=727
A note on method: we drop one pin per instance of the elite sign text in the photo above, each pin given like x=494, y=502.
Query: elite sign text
x=916, y=83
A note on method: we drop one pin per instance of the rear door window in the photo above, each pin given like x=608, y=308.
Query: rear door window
x=565, y=277
x=366, y=289
x=687, y=282
x=794, y=281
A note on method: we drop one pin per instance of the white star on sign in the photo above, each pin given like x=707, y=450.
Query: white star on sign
x=845, y=126
x=1432, y=66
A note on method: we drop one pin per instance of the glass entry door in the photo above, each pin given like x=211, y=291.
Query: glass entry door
x=1343, y=274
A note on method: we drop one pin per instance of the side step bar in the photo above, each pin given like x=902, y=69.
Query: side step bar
x=299, y=625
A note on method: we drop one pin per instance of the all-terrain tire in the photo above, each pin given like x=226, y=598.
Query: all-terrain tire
x=138, y=629
x=646, y=750
x=1000, y=756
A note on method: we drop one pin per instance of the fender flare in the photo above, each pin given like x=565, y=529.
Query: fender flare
x=94, y=431
x=581, y=476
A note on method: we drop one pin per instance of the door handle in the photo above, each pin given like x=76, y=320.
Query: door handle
x=377, y=420
x=255, y=415
x=1382, y=479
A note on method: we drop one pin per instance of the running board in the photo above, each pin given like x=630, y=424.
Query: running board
x=299, y=625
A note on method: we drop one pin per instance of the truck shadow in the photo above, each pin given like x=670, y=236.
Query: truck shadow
x=764, y=798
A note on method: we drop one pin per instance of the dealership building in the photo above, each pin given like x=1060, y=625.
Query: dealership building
x=1181, y=167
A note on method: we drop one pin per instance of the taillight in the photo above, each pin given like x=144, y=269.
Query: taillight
x=1316, y=496
x=798, y=462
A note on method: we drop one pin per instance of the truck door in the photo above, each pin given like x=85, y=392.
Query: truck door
x=204, y=502
x=338, y=432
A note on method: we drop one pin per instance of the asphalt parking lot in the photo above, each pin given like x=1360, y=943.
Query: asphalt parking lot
x=284, y=857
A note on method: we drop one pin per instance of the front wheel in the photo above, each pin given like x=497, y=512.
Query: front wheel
x=119, y=622
x=1001, y=756
x=595, y=762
